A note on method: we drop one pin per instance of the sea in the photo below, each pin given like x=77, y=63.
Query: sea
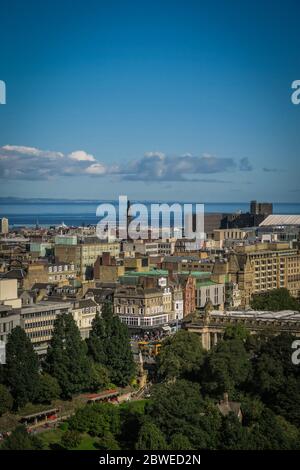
x=31, y=212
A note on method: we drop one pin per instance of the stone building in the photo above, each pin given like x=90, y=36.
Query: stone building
x=108, y=268
x=9, y=319
x=140, y=307
x=262, y=267
x=38, y=321
x=84, y=312
x=211, y=324
x=85, y=254
x=208, y=290
x=9, y=293
x=4, y=227
x=188, y=285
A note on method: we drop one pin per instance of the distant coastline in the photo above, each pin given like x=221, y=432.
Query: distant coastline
x=36, y=200
x=74, y=212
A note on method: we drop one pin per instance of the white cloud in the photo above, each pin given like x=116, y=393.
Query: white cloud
x=31, y=151
x=156, y=166
x=20, y=162
x=159, y=155
x=81, y=156
x=96, y=169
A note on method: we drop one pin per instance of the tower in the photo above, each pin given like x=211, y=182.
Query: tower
x=4, y=227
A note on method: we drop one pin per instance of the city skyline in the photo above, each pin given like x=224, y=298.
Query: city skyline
x=157, y=101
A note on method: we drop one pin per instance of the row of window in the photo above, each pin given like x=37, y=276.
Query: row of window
x=39, y=324
x=47, y=313
x=6, y=327
x=39, y=333
x=150, y=321
x=66, y=267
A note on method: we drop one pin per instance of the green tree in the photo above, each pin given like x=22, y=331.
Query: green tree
x=66, y=358
x=252, y=408
x=287, y=401
x=227, y=367
x=97, y=340
x=99, y=377
x=6, y=400
x=70, y=439
x=275, y=378
x=180, y=442
x=131, y=422
x=108, y=442
x=98, y=419
x=89, y=420
x=48, y=389
x=273, y=432
x=151, y=438
x=181, y=355
x=22, y=367
x=21, y=440
x=233, y=436
x=109, y=345
x=178, y=407
x=269, y=376
x=236, y=332
x=275, y=300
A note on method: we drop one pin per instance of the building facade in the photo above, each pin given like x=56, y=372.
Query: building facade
x=60, y=273
x=85, y=254
x=9, y=293
x=140, y=307
x=263, y=267
x=210, y=291
x=38, y=322
x=9, y=319
x=84, y=312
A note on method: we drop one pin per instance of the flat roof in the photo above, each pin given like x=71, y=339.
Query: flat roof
x=258, y=314
x=46, y=305
x=281, y=220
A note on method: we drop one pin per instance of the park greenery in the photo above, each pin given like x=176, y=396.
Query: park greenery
x=71, y=366
x=181, y=413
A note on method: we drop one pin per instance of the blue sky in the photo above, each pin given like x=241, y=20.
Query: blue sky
x=166, y=100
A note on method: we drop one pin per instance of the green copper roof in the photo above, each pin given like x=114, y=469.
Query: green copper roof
x=205, y=283
x=198, y=274
x=153, y=272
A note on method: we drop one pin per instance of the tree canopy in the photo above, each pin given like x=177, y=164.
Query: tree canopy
x=22, y=367
x=66, y=358
x=181, y=355
x=21, y=440
x=109, y=345
x=275, y=300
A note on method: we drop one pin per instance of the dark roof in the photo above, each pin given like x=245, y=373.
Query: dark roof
x=41, y=285
x=100, y=294
x=107, y=285
x=59, y=298
x=14, y=274
x=84, y=303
